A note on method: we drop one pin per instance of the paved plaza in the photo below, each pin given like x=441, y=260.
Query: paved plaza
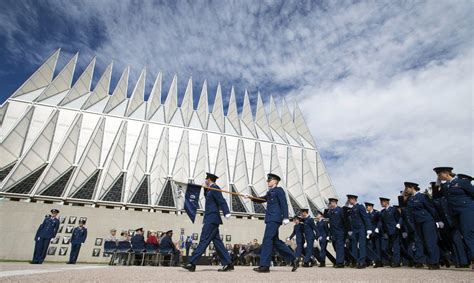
x=53, y=272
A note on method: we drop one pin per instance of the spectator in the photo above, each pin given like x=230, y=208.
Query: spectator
x=152, y=239
x=167, y=246
x=112, y=236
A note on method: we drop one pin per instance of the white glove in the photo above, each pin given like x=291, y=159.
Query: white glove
x=288, y=239
x=286, y=221
x=349, y=233
x=246, y=196
x=398, y=226
x=304, y=246
x=227, y=216
x=376, y=230
x=327, y=238
x=404, y=235
x=440, y=224
x=369, y=232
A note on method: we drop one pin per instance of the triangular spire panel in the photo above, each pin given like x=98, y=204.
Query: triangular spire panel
x=138, y=95
x=154, y=100
x=101, y=90
x=261, y=118
x=240, y=178
x=120, y=92
x=159, y=168
x=203, y=106
x=222, y=170
x=41, y=77
x=61, y=82
x=82, y=85
x=247, y=116
x=275, y=121
x=187, y=104
x=171, y=102
x=232, y=113
x=180, y=171
x=218, y=109
x=137, y=167
x=301, y=126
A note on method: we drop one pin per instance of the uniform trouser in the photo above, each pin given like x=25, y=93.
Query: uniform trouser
x=428, y=233
x=373, y=249
x=210, y=233
x=75, y=248
x=394, y=247
x=338, y=244
x=308, y=250
x=458, y=245
x=419, y=255
x=358, y=245
x=466, y=225
x=323, y=243
x=299, y=248
x=270, y=241
x=41, y=248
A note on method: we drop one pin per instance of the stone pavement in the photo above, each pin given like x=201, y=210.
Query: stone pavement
x=53, y=272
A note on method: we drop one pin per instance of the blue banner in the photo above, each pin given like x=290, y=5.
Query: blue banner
x=191, y=200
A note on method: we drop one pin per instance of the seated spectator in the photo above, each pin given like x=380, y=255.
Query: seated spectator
x=138, y=238
x=152, y=239
x=112, y=237
x=167, y=246
x=124, y=236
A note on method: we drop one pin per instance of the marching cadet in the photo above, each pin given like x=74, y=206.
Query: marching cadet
x=275, y=215
x=426, y=222
x=210, y=230
x=322, y=232
x=337, y=228
x=46, y=231
x=309, y=235
x=298, y=233
x=79, y=236
x=361, y=228
x=389, y=227
x=374, y=241
x=459, y=194
x=409, y=238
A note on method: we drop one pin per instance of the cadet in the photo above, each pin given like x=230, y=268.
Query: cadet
x=361, y=228
x=337, y=228
x=298, y=233
x=459, y=193
x=389, y=227
x=374, y=242
x=322, y=232
x=275, y=214
x=210, y=230
x=309, y=235
x=46, y=231
x=426, y=222
x=79, y=236
x=168, y=247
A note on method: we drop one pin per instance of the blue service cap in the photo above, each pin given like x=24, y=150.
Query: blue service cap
x=442, y=169
x=273, y=176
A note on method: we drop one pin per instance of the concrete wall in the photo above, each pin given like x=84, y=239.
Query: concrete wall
x=19, y=221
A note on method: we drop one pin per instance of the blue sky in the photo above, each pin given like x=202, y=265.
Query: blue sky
x=385, y=86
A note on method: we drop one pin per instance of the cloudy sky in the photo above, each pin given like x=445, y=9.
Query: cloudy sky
x=385, y=86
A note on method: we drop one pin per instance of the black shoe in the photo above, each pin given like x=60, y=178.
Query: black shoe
x=190, y=267
x=360, y=266
x=378, y=264
x=433, y=267
x=295, y=264
x=419, y=265
x=227, y=267
x=306, y=264
x=395, y=265
x=262, y=269
x=34, y=262
x=322, y=264
x=339, y=265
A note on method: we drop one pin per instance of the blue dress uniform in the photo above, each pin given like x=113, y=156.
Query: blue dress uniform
x=310, y=236
x=79, y=236
x=360, y=224
x=277, y=210
x=210, y=230
x=337, y=229
x=298, y=233
x=374, y=243
x=389, y=218
x=46, y=231
x=167, y=246
x=425, y=218
x=459, y=194
x=322, y=233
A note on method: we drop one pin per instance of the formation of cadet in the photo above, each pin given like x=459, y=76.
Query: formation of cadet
x=79, y=236
x=46, y=231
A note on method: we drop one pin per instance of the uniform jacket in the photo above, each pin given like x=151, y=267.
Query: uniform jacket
x=422, y=208
x=215, y=202
x=167, y=244
x=389, y=218
x=322, y=229
x=79, y=235
x=277, y=207
x=298, y=232
x=358, y=218
x=309, y=228
x=460, y=195
x=337, y=224
x=48, y=228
